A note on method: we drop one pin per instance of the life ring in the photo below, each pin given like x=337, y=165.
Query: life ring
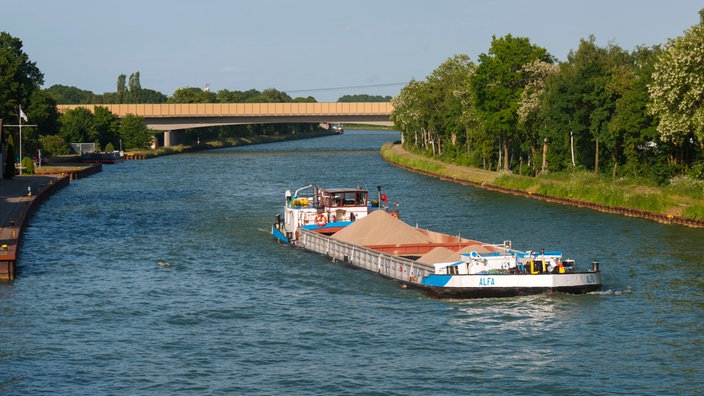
x=320, y=220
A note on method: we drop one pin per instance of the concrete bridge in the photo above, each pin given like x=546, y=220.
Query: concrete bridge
x=169, y=117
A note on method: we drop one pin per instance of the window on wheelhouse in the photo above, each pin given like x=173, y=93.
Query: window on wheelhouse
x=346, y=198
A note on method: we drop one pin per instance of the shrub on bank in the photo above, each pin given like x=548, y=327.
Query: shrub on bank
x=27, y=166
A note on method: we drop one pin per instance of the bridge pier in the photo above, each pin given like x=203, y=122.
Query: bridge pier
x=169, y=138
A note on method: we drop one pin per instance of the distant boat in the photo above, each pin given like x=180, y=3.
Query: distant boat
x=337, y=128
x=345, y=226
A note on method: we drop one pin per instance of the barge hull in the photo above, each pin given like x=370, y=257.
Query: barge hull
x=499, y=292
x=423, y=277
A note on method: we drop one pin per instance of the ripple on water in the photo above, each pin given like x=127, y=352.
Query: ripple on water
x=152, y=277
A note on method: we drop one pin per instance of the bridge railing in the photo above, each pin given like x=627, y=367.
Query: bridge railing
x=241, y=109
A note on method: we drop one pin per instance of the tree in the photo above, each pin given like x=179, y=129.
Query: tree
x=579, y=106
x=107, y=126
x=677, y=89
x=151, y=96
x=19, y=77
x=530, y=106
x=63, y=94
x=135, y=88
x=134, y=133
x=78, y=126
x=9, y=166
x=192, y=95
x=409, y=114
x=364, y=98
x=270, y=95
x=498, y=83
x=631, y=128
x=55, y=145
x=41, y=112
x=454, y=104
x=121, y=93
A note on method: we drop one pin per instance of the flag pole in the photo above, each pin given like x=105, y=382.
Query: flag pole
x=21, y=114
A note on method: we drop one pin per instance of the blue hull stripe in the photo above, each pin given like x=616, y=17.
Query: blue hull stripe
x=279, y=235
x=436, y=280
x=333, y=224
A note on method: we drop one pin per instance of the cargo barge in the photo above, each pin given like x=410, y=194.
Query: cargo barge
x=346, y=226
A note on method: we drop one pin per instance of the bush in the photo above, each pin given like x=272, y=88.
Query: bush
x=27, y=166
x=55, y=145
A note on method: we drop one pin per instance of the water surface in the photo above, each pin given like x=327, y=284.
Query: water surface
x=159, y=276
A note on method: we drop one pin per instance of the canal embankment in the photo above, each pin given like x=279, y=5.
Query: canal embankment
x=396, y=155
x=19, y=198
x=21, y=195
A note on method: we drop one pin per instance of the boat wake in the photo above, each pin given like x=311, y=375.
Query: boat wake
x=626, y=290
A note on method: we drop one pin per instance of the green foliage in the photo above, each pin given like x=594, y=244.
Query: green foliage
x=693, y=212
x=19, y=77
x=364, y=98
x=523, y=183
x=686, y=186
x=63, y=94
x=192, y=95
x=109, y=148
x=107, y=126
x=55, y=145
x=27, y=166
x=134, y=132
x=587, y=186
x=78, y=126
x=676, y=89
x=9, y=165
x=604, y=109
x=498, y=84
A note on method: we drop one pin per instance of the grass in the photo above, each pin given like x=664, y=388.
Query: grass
x=683, y=197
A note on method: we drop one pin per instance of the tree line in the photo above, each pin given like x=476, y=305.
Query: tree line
x=20, y=87
x=636, y=113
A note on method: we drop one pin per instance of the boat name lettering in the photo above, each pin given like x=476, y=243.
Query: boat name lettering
x=486, y=281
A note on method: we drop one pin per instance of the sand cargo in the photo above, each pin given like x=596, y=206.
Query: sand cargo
x=345, y=226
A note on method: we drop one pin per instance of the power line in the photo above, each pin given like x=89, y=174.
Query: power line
x=349, y=87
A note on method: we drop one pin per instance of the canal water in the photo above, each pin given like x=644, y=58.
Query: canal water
x=159, y=277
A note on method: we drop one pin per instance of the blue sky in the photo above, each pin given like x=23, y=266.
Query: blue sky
x=309, y=47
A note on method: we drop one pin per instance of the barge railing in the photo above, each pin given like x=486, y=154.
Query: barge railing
x=388, y=265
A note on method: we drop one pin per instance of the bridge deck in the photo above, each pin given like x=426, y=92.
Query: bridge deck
x=241, y=109
x=175, y=116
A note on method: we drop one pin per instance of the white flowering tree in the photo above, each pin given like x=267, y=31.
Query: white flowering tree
x=677, y=89
x=530, y=105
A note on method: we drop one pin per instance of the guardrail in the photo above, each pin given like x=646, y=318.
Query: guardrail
x=385, y=264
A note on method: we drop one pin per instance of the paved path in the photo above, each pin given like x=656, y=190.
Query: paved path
x=18, y=197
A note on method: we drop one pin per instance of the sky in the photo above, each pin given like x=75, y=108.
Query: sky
x=320, y=48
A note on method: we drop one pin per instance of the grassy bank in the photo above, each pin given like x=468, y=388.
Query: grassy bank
x=682, y=198
x=229, y=142
x=367, y=127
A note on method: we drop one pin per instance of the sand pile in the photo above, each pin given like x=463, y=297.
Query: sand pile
x=439, y=255
x=380, y=228
x=477, y=248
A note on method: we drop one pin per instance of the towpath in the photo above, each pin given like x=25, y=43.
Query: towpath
x=19, y=196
